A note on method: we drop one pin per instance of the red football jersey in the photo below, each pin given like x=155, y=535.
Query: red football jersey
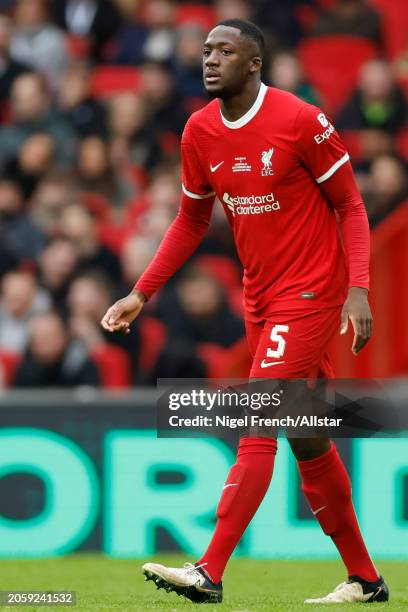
x=266, y=168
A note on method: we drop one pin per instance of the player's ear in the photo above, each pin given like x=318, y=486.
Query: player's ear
x=255, y=64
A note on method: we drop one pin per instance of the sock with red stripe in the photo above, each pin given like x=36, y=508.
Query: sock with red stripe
x=244, y=489
x=327, y=488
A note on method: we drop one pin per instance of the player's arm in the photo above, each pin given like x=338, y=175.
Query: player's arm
x=342, y=191
x=323, y=152
x=179, y=243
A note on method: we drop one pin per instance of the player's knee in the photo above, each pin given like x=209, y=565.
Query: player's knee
x=305, y=449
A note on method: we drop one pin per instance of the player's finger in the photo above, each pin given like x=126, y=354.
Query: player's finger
x=105, y=322
x=371, y=326
x=110, y=320
x=366, y=327
x=358, y=343
x=344, y=321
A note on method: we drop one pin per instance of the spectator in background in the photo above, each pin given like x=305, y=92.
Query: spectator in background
x=187, y=62
x=88, y=298
x=131, y=132
x=96, y=174
x=285, y=72
x=233, y=9
x=196, y=312
x=387, y=186
x=85, y=115
x=95, y=20
x=354, y=17
x=37, y=42
x=35, y=158
x=136, y=253
x=10, y=69
x=57, y=266
x=378, y=103
x=158, y=17
x=31, y=112
x=166, y=105
x=56, y=190
x=52, y=359
x=279, y=21
x=131, y=38
x=200, y=312
x=20, y=301
x=18, y=231
x=80, y=226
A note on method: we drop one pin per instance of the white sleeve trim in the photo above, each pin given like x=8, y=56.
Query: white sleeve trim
x=197, y=196
x=333, y=169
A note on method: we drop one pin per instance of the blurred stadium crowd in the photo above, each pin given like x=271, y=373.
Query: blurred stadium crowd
x=94, y=95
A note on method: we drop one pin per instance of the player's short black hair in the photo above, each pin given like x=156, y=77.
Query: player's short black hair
x=248, y=29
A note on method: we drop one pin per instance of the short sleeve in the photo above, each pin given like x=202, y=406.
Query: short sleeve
x=195, y=183
x=318, y=144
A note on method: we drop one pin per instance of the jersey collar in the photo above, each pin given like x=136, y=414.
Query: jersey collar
x=250, y=114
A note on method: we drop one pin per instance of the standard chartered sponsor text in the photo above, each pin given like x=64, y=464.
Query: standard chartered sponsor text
x=251, y=205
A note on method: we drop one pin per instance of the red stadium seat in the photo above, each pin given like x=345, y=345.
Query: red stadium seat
x=113, y=365
x=153, y=336
x=213, y=356
x=332, y=64
x=198, y=14
x=222, y=268
x=9, y=362
x=96, y=204
x=106, y=81
x=77, y=46
x=394, y=14
x=402, y=143
x=232, y=362
x=228, y=274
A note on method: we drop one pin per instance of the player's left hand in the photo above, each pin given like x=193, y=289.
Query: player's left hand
x=357, y=309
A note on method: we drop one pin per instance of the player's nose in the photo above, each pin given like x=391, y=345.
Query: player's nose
x=211, y=59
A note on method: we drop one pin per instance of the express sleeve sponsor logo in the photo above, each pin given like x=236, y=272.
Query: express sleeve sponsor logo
x=323, y=119
x=319, y=138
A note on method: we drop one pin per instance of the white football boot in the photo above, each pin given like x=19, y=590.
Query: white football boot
x=355, y=590
x=190, y=581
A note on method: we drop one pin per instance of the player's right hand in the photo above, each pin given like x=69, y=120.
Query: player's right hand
x=119, y=316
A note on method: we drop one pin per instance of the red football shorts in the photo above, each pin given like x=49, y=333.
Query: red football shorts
x=293, y=345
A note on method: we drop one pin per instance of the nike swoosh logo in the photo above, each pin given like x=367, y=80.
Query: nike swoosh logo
x=266, y=364
x=378, y=591
x=229, y=485
x=214, y=168
x=319, y=510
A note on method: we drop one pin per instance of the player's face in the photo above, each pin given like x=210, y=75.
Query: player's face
x=228, y=60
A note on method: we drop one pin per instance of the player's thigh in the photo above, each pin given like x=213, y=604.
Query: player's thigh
x=295, y=346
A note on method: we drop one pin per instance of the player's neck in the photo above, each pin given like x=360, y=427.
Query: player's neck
x=235, y=107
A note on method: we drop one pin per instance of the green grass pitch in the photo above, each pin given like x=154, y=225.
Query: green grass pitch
x=102, y=583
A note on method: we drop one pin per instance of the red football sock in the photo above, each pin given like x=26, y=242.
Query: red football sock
x=327, y=488
x=244, y=489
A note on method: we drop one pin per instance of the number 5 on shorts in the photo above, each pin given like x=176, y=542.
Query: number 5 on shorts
x=275, y=336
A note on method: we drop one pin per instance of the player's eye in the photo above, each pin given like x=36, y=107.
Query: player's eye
x=206, y=52
x=226, y=51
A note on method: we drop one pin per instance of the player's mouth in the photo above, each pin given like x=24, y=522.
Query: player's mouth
x=212, y=77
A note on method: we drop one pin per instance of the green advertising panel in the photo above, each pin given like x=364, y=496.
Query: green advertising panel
x=107, y=483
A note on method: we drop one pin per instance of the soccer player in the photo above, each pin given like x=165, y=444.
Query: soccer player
x=284, y=179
